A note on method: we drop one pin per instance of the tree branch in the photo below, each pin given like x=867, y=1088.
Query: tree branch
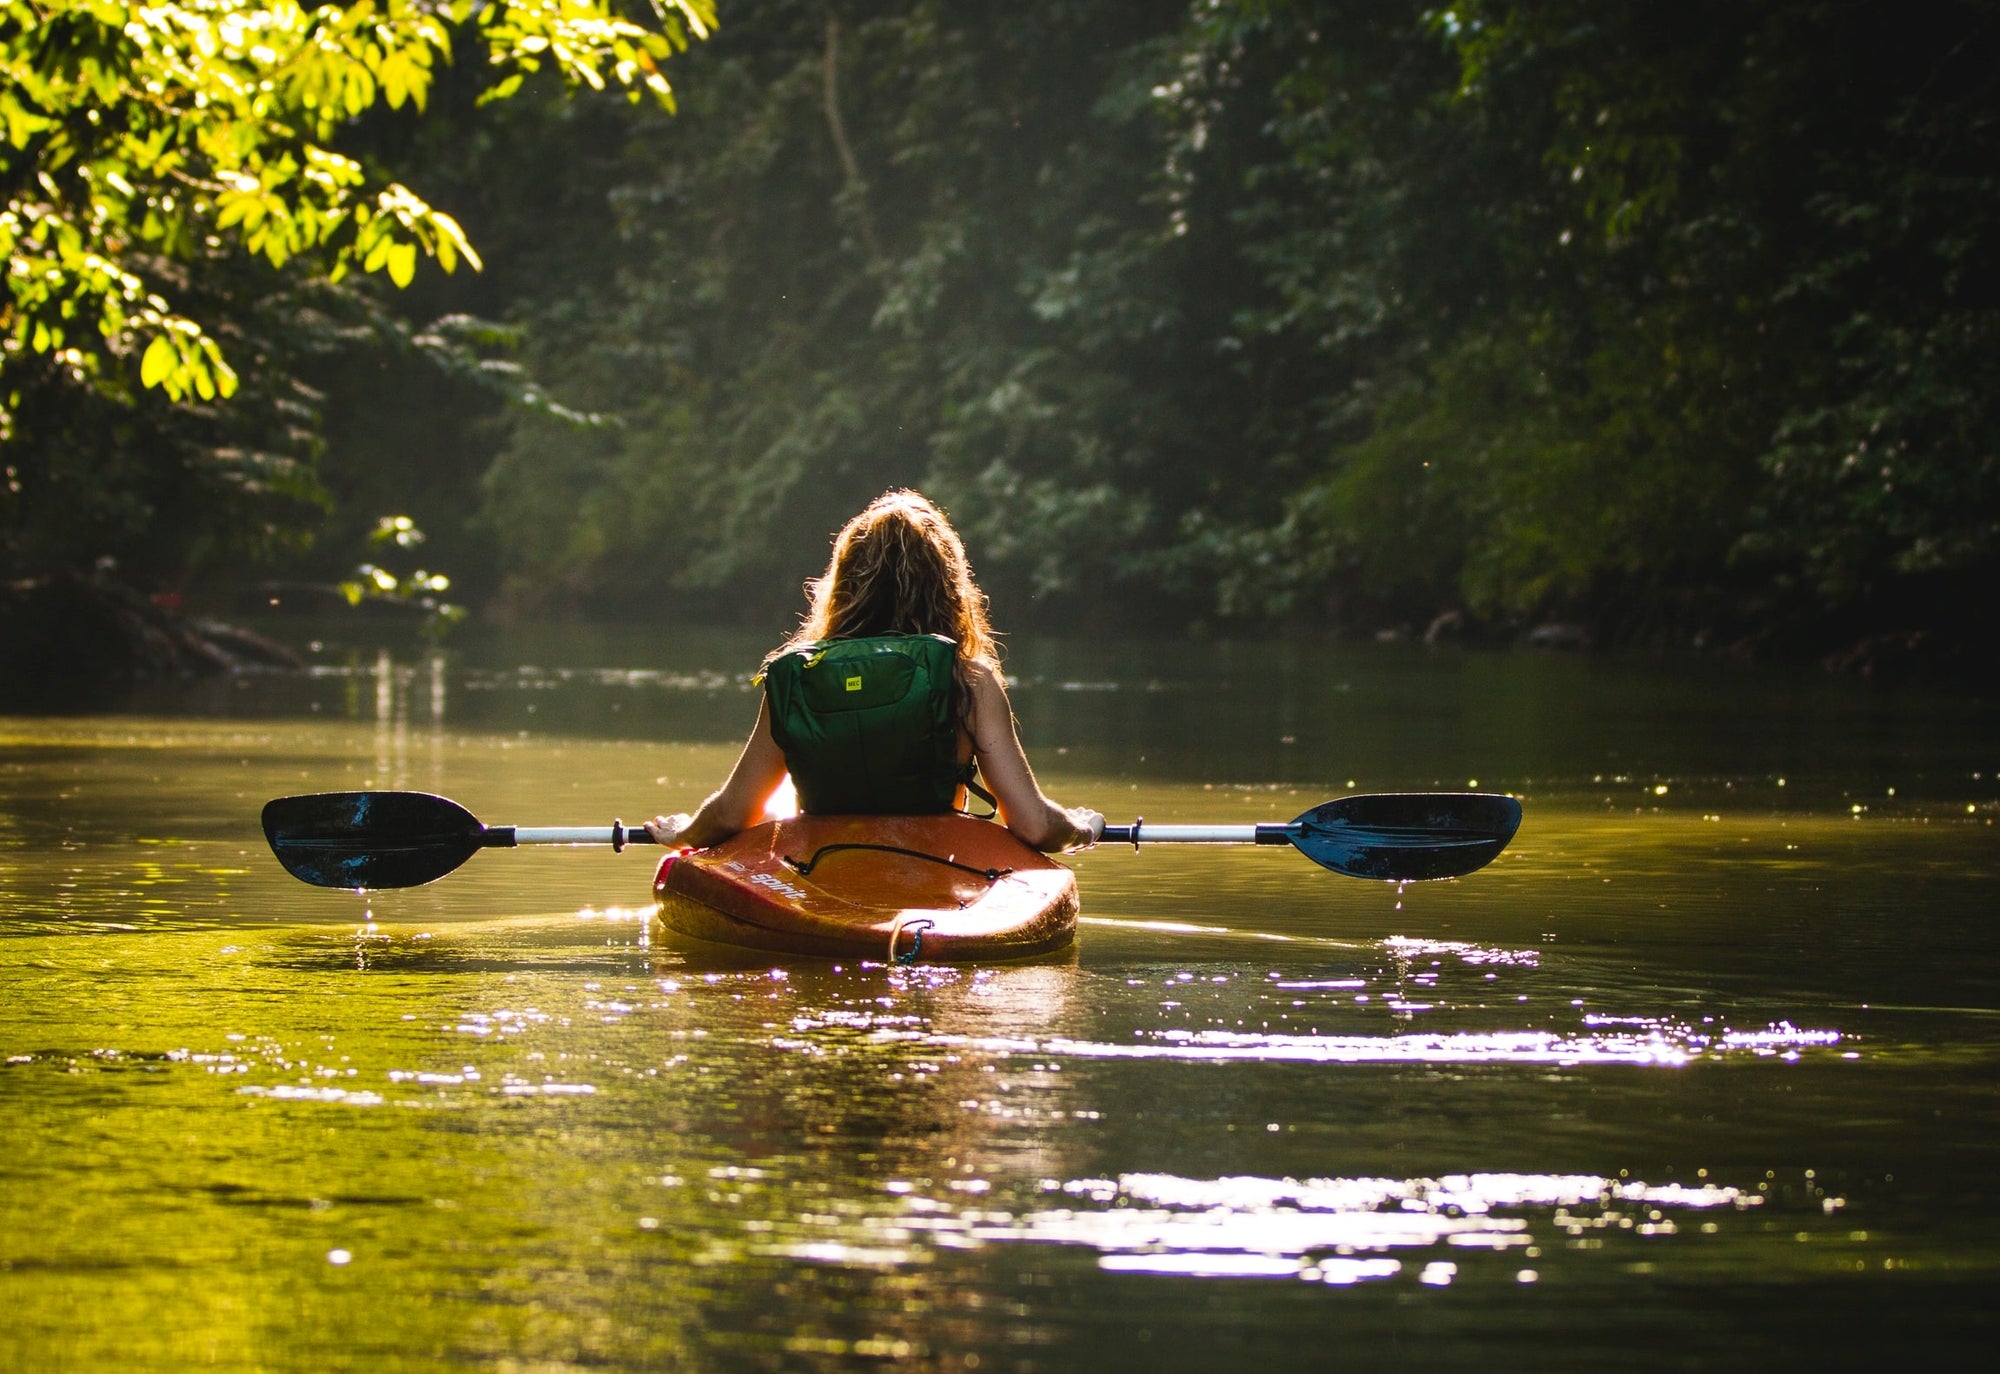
x=856, y=188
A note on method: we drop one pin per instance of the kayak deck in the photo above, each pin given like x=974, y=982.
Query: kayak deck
x=915, y=889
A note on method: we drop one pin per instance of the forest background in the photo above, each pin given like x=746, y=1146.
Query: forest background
x=1671, y=323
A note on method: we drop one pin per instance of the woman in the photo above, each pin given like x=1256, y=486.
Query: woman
x=898, y=580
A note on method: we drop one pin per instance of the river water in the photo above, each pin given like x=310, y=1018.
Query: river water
x=1699, y=1074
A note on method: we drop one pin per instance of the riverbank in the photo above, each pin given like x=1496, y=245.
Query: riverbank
x=76, y=643
x=70, y=637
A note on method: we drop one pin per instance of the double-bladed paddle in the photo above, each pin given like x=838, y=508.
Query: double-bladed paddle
x=1396, y=836
x=380, y=840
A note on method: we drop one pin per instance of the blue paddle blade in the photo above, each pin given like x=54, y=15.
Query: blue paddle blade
x=1407, y=836
x=371, y=839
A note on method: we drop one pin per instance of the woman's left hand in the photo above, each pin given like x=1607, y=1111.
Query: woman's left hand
x=1089, y=826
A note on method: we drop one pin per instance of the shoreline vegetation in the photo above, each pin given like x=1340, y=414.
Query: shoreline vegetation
x=69, y=638
x=75, y=641
x=1663, y=327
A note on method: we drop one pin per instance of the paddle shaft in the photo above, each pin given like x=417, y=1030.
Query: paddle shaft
x=617, y=835
x=1139, y=833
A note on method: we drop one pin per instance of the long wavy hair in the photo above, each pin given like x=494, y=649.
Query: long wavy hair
x=898, y=568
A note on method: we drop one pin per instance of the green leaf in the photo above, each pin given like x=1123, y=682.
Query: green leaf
x=403, y=263
x=395, y=78
x=22, y=125
x=452, y=242
x=159, y=362
x=503, y=90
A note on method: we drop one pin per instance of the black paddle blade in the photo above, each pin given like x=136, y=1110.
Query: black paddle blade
x=370, y=839
x=1407, y=836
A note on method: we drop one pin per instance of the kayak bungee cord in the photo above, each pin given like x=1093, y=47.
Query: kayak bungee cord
x=805, y=866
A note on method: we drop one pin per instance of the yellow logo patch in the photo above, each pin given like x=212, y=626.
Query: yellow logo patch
x=854, y=684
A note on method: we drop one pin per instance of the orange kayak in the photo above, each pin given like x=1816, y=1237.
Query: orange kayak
x=908, y=889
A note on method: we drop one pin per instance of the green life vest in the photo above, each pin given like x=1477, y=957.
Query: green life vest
x=867, y=725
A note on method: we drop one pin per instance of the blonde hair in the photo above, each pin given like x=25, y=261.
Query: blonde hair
x=899, y=568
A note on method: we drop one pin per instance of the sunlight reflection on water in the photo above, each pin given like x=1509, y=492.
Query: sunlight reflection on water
x=1667, y=1047
x=1326, y=1230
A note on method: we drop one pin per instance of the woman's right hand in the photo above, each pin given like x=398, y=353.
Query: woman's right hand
x=667, y=830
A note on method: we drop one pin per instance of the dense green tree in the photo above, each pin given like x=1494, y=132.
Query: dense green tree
x=1672, y=319
x=1727, y=364
x=149, y=154
x=878, y=250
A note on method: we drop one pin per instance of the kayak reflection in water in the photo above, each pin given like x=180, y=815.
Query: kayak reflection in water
x=889, y=698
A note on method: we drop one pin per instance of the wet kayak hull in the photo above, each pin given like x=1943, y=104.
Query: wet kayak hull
x=928, y=889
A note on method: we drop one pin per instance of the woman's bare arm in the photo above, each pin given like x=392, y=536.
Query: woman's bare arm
x=1024, y=808
x=738, y=803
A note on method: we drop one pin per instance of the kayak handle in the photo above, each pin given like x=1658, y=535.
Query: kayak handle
x=916, y=925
